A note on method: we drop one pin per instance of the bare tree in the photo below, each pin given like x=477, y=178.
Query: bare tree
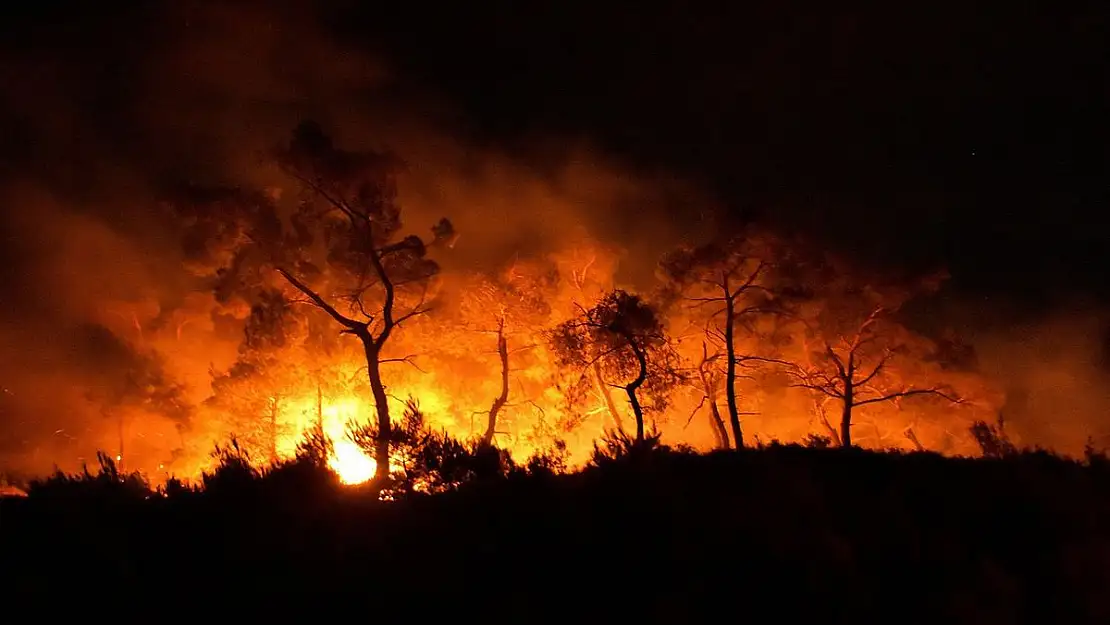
x=515, y=301
x=502, y=397
x=622, y=335
x=351, y=199
x=730, y=279
x=854, y=371
x=708, y=386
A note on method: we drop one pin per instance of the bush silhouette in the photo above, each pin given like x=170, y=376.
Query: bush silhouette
x=108, y=484
x=843, y=535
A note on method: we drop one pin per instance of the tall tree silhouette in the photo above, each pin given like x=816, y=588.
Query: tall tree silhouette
x=512, y=303
x=852, y=346
x=729, y=280
x=350, y=214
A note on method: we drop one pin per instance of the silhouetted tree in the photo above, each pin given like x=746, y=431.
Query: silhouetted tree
x=351, y=207
x=854, y=370
x=708, y=386
x=730, y=278
x=514, y=302
x=623, y=335
x=503, y=397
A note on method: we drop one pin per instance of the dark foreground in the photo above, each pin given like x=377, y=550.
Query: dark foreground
x=784, y=534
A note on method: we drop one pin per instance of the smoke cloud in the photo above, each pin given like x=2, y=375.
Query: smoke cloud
x=198, y=93
x=135, y=104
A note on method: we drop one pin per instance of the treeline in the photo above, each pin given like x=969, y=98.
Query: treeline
x=644, y=532
x=744, y=324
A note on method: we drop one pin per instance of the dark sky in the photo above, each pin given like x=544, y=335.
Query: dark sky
x=966, y=134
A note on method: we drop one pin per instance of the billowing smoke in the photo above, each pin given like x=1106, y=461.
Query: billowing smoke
x=101, y=314
x=1055, y=375
x=104, y=324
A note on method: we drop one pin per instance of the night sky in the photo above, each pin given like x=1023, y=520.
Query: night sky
x=964, y=134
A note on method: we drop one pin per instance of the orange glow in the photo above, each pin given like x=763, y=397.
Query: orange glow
x=350, y=463
x=448, y=362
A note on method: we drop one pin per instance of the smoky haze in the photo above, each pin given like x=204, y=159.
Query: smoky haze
x=133, y=105
x=107, y=125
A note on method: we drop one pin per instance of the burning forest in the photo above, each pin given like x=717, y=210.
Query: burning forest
x=344, y=316
x=510, y=309
x=229, y=273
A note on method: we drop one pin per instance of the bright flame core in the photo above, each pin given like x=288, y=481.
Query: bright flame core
x=350, y=463
x=347, y=459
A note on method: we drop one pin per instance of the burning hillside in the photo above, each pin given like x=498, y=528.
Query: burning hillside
x=341, y=316
x=173, y=281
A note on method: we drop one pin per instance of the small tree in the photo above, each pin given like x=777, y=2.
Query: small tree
x=513, y=302
x=729, y=279
x=623, y=336
x=855, y=370
x=708, y=386
x=350, y=211
x=252, y=392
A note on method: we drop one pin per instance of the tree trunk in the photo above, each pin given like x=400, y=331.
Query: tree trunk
x=833, y=434
x=718, y=424
x=709, y=387
x=637, y=410
x=730, y=374
x=499, y=403
x=273, y=430
x=631, y=389
x=381, y=403
x=603, y=388
x=846, y=419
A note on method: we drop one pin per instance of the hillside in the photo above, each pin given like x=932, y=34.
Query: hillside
x=664, y=536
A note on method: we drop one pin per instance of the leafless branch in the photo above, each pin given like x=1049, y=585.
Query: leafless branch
x=831, y=392
x=338, y=203
x=743, y=361
x=907, y=393
x=347, y=322
x=406, y=359
x=874, y=372
x=694, y=412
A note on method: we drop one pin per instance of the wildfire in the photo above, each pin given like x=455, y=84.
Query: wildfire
x=347, y=459
x=350, y=463
x=450, y=365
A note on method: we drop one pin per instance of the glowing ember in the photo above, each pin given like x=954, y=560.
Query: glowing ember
x=350, y=463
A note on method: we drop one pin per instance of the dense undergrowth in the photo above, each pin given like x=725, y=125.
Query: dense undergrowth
x=645, y=533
